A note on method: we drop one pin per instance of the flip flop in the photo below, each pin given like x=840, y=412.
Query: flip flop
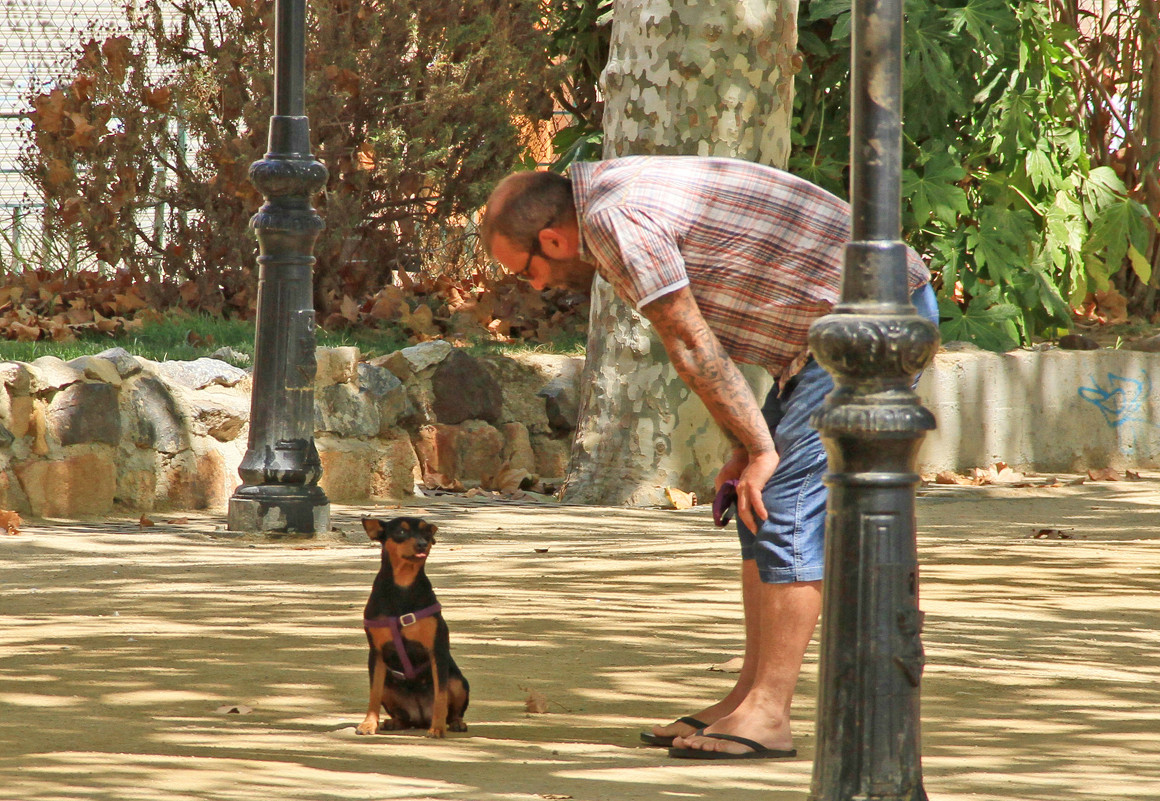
x=663, y=740
x=759, y=751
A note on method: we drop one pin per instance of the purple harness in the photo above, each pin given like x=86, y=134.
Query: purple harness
x=396, y=625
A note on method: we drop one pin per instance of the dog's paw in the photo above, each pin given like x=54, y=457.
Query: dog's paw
x=368, y=726
x=456, y=725
x=436, y=731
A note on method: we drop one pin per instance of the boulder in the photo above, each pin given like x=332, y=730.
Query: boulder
x=463, y=389
x=84, y=412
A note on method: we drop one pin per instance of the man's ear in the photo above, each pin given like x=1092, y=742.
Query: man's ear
x=561, y=241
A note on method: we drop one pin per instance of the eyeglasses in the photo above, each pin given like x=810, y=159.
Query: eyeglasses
x=522, y=274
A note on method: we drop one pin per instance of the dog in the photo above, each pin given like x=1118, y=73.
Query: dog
x=413, y=676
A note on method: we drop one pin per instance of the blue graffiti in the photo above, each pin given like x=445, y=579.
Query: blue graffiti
x=1121, y=402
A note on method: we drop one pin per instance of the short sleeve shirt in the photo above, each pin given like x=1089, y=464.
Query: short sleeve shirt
x=760, y=249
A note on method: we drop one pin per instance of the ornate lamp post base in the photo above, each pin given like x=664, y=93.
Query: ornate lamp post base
x=288, y=509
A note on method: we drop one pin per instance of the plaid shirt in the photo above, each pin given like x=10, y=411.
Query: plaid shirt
x=761, y=250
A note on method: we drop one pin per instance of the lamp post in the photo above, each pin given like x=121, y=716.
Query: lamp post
x=281, y=468
x=874, y=343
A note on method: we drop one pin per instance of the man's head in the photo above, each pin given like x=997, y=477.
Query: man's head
x=530, y=228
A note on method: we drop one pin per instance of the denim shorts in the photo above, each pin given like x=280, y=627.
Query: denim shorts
x=790, y=544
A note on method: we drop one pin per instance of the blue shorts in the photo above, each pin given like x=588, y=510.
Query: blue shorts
x=790, y=544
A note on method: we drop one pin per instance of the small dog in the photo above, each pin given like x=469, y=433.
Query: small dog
x=413, y=676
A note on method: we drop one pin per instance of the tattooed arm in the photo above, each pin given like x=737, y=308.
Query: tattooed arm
x=706, y=368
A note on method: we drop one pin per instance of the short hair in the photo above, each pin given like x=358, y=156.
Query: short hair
x=523, y=204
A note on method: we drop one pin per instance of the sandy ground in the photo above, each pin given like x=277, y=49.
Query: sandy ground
x=121, y=647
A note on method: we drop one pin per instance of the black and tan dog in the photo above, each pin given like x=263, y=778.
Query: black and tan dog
x=413, y=676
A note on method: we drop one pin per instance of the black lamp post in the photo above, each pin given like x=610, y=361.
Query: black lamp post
x=281, y=468
x=874, y=343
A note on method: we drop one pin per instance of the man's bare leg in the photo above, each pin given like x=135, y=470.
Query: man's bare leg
x=751, y=606
x=790, y=614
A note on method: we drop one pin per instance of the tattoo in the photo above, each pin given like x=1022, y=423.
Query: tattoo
x=707, y=369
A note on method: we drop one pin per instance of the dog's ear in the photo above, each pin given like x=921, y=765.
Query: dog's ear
x=428, y=528
x=374, y=528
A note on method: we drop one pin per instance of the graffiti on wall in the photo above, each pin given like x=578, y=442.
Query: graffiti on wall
x=1120, y=400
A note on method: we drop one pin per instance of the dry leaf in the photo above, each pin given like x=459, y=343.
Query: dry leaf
x=536, y=703
x=507, y=479
x=145, y=522
x=681, y=499
x=1106, y=474
x=234, y=709
x=10, y=521
x=1131, y=475
x=950, y=477
x=1051, y=534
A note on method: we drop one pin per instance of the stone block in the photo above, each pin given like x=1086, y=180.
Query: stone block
x=463, y=389
x=517, y=447
x=97, y=369
x=388, y=394
x=16, y=378
x=411, y=361
x=84, y=412
x=200, y=373
x=397, y=471
x=478, y=450
x=50, y=373
x=347, y=469
x=152, y=417
x=217, y=412
x=336, y=366
x=125, y=363
x=82, y=484
x=551, y=456
x=20, y=415
x=12, y=495
x=342, y=410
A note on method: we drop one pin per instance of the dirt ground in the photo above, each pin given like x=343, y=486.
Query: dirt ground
x=177, y=663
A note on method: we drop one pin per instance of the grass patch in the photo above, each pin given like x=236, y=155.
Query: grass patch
x=184, y=336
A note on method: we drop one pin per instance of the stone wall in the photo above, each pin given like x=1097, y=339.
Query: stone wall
x=118, y=432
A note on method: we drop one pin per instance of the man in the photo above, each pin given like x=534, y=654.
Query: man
x=730, y=261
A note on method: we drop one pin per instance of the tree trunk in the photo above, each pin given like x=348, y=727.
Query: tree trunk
x=684, y=77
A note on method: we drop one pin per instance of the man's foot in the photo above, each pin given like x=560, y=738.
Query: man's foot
x=664, y=735
x=737, y=734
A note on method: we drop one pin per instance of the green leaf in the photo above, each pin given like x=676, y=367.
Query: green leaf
x=989, y=22
x=936, y=191
x=985, y=325
x=1001, y=241
x=1117, y=227
x=1141, y=266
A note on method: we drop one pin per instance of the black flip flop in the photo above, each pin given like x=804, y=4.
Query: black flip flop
x=759, y=751
x=665, y=741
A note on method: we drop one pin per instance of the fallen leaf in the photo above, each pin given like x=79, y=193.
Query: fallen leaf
x=10, y=521
x=1132, y=475
x=536, y=703
x=681, y=499
x=145, y=522
x=950, y=477
x=177, y=521
x=1051, y=534
x=235, y=709
x=1105, y=474
x=507, y=479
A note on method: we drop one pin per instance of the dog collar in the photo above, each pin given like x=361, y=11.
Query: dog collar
x=396, y=624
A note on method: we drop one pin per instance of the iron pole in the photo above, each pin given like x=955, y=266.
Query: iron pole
x=874, y=344
x=281, y=468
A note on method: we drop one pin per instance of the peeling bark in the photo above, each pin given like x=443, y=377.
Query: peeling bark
x=684, y=77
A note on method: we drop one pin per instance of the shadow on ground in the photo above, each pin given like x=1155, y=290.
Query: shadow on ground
x=122, y=650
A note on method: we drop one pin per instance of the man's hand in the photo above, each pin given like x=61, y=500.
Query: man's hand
x=750, y=506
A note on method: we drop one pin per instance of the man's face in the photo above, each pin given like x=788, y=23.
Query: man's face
x=554, y=263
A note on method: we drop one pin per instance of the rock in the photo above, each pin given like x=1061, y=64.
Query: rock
x=219, y=413
x=467, y=452
x=16, y=377
x=49, y=373
x=415, y=359
x=97, y=369
x=80, y=485
x=1147, y=345
x=154, y=419
x=83, y=413
x=388, y=394
x=336, y=366
x=464, y=390
x=126, y=363
x=341, y=409
x=6, y=437
x=1078, y=342
x=552, y=456
x=517, y=448
x=562, y=402
x=234, y=357
x=200, y=373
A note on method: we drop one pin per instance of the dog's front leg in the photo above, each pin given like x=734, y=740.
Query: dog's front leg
x=370, y=723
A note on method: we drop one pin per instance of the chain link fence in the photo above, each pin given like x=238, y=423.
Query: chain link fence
x=36, y=36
